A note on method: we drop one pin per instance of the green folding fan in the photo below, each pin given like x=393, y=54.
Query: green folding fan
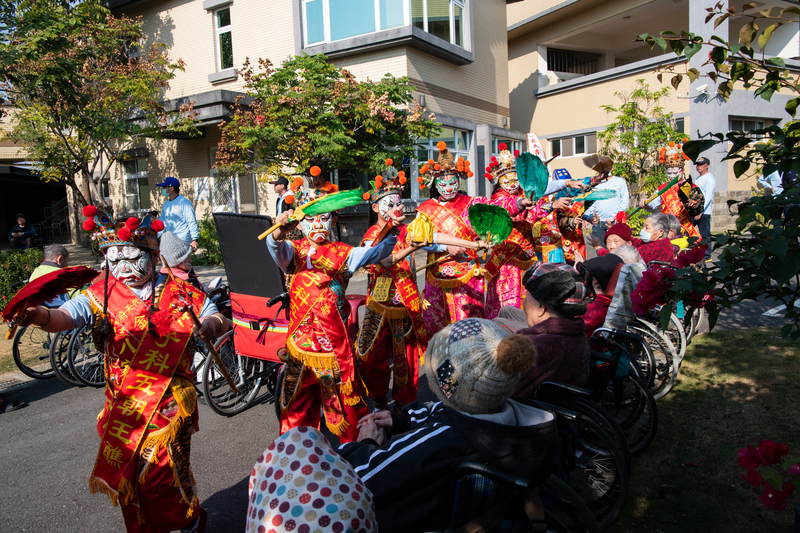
x=532, y=174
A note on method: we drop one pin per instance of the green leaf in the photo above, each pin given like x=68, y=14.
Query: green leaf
x=718, y=54
x=748, y=33
x=778, y=247
x=735, y=48
x=793, y=10
x=777, y=61
x=664, y=315
x=691, y=49
x=660, y=42
x=694, y=148
x=791, y=106
x=766, y=35
x=740, y=167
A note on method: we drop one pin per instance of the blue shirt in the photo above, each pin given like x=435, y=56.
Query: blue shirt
x=707, y=183
x=178, y=217
x=773, y=181
x=606, y=209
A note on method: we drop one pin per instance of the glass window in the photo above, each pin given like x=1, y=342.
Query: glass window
x=458, y=24
x=511, y=145
x=392, y=13
x=224, y=41
x=679, y=125
x=451, y=137
x=439, y=18
x=555, y=147
x=351, y=17
x=418, y=14
x=137, y=191
x=580, y=145
x=315, y=22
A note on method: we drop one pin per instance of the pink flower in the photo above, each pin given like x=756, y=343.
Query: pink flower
x=794, y=470
x=752, y=477
x=773, y=498
x=260, y=119
x=772, y=451
x=750, y=457
x=689, y=256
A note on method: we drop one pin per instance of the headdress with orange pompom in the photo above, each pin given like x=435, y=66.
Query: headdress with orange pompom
x=390, y=182
x=430, y=171
x=502, y=164
x=108, y=231
x=317, y=186
x=672, y=156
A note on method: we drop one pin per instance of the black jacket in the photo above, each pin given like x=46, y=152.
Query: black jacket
x=412, y=476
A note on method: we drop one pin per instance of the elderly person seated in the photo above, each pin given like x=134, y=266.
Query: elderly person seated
x=56, y=257
x=618, y=235
x=675, y=235
x=409, y=460
x=602, y=270
x=628, y=253
x=22, y=234
x=656, y=245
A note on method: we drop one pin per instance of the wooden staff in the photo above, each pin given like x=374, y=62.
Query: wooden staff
x=222, y=368
x=297, y=215
x=443, y=258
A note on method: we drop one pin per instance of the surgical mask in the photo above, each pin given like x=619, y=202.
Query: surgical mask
x=164, y=192
x=645, y=235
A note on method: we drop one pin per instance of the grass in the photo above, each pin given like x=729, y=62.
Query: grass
x=734, y=388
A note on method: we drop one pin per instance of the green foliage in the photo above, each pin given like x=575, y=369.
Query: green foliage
x=76, y=78
x=16, y=265
x=762, y=255
x=209, y=243
x=632, y=140
x=309, y=112
x=636, y=221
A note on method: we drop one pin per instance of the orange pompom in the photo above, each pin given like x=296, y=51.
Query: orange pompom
x=289, y=199
x=460, y=160
x=431, y=161
x=327, y=186
x=298, y=182
x=389, y=162
x=685, y=139
x=402, y=180
x=442, y=146
x=470, y=174
x=378, y=177
x=365, y=196
x=420, y=180
x=421, y=186
x=672, y=144
x=315, y=171
x=437, y=166
x=334, y=188
x=401, y=174
x=466, y=163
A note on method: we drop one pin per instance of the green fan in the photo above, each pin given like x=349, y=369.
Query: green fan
x=532, y=175
x=491, y=223
x=601, y=194
x=325, y=204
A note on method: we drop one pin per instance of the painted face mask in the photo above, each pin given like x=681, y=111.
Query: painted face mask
x=510, y=183
x=131, y=265
x=447, y=186
x=316, y=228
x=388, y=204
x=673, y=172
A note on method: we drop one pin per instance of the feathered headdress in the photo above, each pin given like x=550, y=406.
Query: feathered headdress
x=109, y=231
x=502, y=164
x=445, y=167
x=317, y=186
x=672, y=156
x=390, y=182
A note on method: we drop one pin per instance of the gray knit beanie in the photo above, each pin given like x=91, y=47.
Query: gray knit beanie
x=474, y=364
x=174, y=250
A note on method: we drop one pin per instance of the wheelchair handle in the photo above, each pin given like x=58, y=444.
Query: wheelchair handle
x=279, y=298
x=619, y=333
x=504, y=478
x=574, y=389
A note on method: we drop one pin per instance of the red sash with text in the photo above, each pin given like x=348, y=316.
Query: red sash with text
x=448, y=219
x=671, y=204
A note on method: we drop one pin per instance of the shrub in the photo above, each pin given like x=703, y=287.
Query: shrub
x=16, y=265
x=209, y=243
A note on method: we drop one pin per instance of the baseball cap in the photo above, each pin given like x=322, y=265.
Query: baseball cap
x=169, y=182
x=702, y=161
x=279, y=181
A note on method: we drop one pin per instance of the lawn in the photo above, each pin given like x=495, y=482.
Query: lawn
x=734, y=389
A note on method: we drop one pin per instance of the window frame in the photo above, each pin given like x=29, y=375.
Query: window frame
x=515, y=145
x=218, y=31
x=137, y=176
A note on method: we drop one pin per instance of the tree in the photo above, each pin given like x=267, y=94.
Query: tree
x=762, y=256
x=309, y=112
x=640, y=128
x=83, y=87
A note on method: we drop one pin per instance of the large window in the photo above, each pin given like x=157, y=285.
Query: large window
x=511, y=145
x=458, y=143
x=577, y=145
x=333, y=20
x=222, y=20
x=137, y=191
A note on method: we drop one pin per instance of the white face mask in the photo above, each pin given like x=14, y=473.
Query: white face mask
x=316, y=228
x=510, y=183
x=645, y=235
x=388, y=204
x=131, y=265
x=673, y=172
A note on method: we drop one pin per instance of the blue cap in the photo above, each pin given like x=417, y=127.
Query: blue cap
x=169, y=182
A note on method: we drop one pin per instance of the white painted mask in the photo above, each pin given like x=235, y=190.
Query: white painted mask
x=510, y=183
x=388, y=204
x=132, y=265
x=447, y=186
x=673, y=172
x=317, y=228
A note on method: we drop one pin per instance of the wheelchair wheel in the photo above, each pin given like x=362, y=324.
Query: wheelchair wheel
x=59, y=358
x=564, y=510
x=199, y=362
x=599, y=415
x=31, y=351
x=665, y=356
x=86, y=362
x=280, y=375
x=246, y=372
x=632, y=405
x=677, y=336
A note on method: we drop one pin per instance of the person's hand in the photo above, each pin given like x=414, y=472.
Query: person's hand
x=698, y=216
x=455, y=250
x=33, y=316
x=576, y=184
x=396, y=217
x=415, y=245
x=369, y=430
x=641, y=202
x=208, y=329
x=284, y=219
x=524, y=203
x=587, y=226
x=193, y=244
x=562, y=203
x=611, y=221
x=482, y=245
x=382, y=419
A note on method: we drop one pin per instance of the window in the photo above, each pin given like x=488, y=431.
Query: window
x=555, y=147
x=334, y=20
x=137, y=191
x=224, y=43
x=680, y=125
x=572, y=62
x=458, y=143
x=580, y=145
x=511, y=145
x=576, y=145
x=747, y=124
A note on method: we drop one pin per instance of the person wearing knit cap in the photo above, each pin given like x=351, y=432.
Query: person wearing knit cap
x=556, y=299
x=617, y=235
x=409, y=460
x=176, y=253
x=601, y=270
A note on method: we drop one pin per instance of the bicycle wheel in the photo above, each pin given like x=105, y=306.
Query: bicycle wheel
x=59, y=358
x=246, y=372
x=31, y=351
x=564, y=510
x=665, y=357
x=630, y=402
x=599, y=477
x=591, y=410
x=86, y=362
x=199, y=362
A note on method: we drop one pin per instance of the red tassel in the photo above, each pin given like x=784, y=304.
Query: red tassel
x=622, y=217
x=163, y=322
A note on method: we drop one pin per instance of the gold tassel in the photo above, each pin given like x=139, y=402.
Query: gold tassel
x=521, y=264
x=190, y=512
x=338, y=429
x=98, y=485
x=140, y=518
x=392, y=313
x=127, y=492
x=450, y=283
x=311, y=359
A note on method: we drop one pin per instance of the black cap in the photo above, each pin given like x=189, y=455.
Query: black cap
x=20, y=215
x=280, y=181
x=702, y=161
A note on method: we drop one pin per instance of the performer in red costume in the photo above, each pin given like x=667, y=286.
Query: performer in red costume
x=393, y=328
x=320, y=371
x=142, y=323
